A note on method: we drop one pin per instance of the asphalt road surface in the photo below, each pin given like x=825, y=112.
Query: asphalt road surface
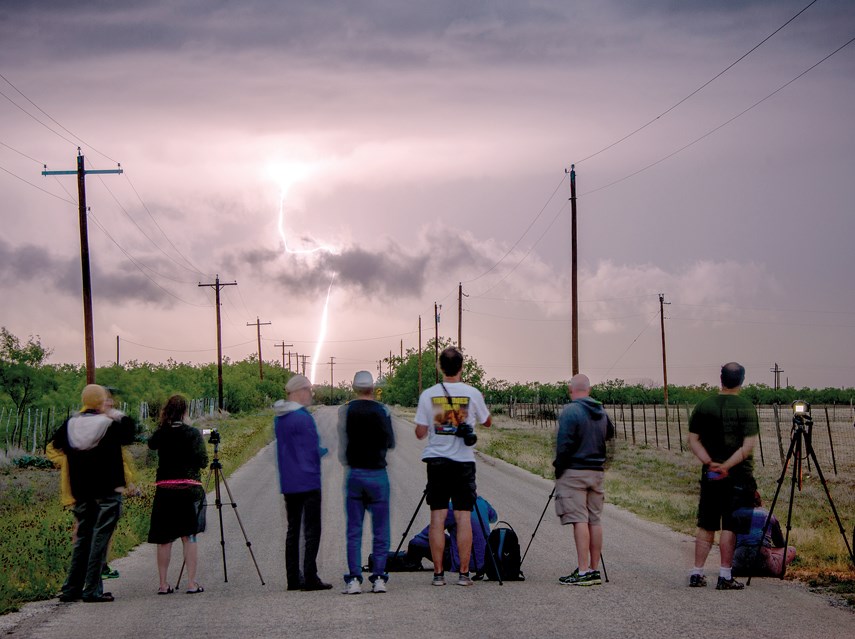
x=647, y=565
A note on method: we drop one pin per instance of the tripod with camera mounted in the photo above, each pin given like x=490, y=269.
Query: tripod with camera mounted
x=216, y=471
x=801, y=448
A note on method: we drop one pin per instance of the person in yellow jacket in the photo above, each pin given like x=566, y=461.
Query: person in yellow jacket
x=58, y=459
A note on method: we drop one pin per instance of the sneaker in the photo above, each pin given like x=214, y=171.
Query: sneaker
x=697, y=581
x=352, y=587
x=590, y=578
x=438, y=579
x=109, y=573
x=465, y=580
x=569, y=579
x=729, y=584
x=379, y=585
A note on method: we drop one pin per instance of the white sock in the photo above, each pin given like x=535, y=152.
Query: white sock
x=725, y=573
x=698, y=571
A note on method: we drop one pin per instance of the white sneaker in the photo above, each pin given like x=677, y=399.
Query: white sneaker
x=379, y=585
x=353, y=587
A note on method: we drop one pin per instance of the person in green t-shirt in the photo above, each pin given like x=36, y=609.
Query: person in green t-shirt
x=723, y=431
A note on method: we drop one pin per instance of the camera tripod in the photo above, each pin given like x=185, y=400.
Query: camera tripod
x=548, y=499
x=216, y=471
x=801, y=447
x=484, y=530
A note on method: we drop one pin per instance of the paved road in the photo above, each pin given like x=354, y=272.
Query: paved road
x=647, y=565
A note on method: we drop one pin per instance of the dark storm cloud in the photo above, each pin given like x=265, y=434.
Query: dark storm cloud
x=33, y=264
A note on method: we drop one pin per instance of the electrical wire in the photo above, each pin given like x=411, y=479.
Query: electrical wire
x=700, y=88
x=620, y=357
x=22, y=153
x=720, y=126
x=184, y=350
x=36, y=186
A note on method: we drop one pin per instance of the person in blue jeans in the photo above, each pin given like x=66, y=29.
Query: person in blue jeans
x=365, y=435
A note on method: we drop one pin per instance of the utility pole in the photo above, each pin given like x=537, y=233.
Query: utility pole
x=332, y=361
x=436, y=310
x=379, y=368
x=420, y=355
x=460, y=296
x=88, y=328
x=117, y=350
x=777, y=371
x=574, y=295
x=283, y=345
x=217, y=285
x=662, y=303
x=391, y=362
x=258, y=324
x=305, y=357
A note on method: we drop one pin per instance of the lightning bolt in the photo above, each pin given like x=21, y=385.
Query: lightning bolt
x=322, y=334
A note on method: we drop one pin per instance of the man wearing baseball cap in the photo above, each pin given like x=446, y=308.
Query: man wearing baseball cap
x=299, y=452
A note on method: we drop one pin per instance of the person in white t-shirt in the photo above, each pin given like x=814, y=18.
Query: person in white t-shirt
x=446, y=416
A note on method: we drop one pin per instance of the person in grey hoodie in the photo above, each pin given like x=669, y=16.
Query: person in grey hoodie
x=580, y=456
x=298, y=453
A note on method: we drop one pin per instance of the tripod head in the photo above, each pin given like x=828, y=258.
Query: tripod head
x=801, y=415
x=214, y=439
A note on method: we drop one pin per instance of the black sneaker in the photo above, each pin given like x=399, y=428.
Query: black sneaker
x=697, y=581
x=729, y=584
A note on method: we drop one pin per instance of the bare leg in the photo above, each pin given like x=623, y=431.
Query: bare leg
x=436, y=536
x=191, y=555
x=164, y=551
x=596, y=531
x=703, y=544
x=582, y=537
x=464, y=538
x=727, y=545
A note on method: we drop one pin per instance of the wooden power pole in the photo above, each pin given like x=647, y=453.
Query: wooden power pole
x=258, y=324
x=88, y=328
x=217, y=285
x=420, y=355
x=574, y=295
x=662, y=303
x=283, y=345
x=436, y=310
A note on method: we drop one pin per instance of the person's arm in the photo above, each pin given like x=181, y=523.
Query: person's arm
x=421, y=431
x=341, y=427
x=565, y=441
x=740, y=455
x=776, y=534
x=698, y=449
x=423, y=417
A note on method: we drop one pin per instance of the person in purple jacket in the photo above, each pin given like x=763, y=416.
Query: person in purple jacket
x=298, y=453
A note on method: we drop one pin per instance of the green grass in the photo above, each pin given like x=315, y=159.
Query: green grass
x=35, y=531
x=662, y=486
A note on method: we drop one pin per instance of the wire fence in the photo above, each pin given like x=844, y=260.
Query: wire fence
x=32, y=429
x=832, y=434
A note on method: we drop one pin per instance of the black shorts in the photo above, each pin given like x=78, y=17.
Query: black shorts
x=450, y=480
x=721, y=498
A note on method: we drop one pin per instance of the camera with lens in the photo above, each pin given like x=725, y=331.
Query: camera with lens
x=467, y=433
x=213, y=435
x=801, y=413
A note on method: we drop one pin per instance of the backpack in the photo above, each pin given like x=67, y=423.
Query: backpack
x=396, y=562
x=506, y=548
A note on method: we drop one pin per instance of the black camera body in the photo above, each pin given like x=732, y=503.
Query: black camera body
x=467, y=433
x=214, y=437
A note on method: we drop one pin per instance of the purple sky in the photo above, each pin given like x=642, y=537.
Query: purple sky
x=418, y=145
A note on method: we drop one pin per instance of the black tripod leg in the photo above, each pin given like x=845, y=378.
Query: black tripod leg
x=812, y=454
x=243, y=531
x=797, y=468
x=412, y=519
x=487, y=545
x=218, y=502
x=548, y=499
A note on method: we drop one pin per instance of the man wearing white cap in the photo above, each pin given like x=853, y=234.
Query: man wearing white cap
x=365, y=434
x=299, y=452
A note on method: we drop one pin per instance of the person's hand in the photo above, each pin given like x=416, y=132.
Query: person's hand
x=716, y=471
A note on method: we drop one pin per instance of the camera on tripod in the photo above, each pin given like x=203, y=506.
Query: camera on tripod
x=213, y=435
x=801, y=414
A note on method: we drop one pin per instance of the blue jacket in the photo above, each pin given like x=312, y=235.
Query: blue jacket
x=298, y=448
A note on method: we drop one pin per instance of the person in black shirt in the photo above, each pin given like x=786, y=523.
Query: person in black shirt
x=365, y=434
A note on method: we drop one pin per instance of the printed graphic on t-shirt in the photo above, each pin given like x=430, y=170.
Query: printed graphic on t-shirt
x=449, y=413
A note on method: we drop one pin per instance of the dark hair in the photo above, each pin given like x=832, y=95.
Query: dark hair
x=451, y=361
x=732, y=375
x=173, y=411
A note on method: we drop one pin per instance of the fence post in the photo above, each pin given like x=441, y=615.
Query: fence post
x=679, y=425
x=644, y=419
x=623, y=420
x=667, y=435
x=778, y=431
x=830, y=441
x=632, y=420
x=760, y=435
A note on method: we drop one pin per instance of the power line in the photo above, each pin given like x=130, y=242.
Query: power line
x=36, y=186
x=722, y=125
x=700, y=88
x=183, y=350
x=620, y=357
x=22, y=153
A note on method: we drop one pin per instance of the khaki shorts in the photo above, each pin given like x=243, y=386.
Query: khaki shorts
x=579, y=496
